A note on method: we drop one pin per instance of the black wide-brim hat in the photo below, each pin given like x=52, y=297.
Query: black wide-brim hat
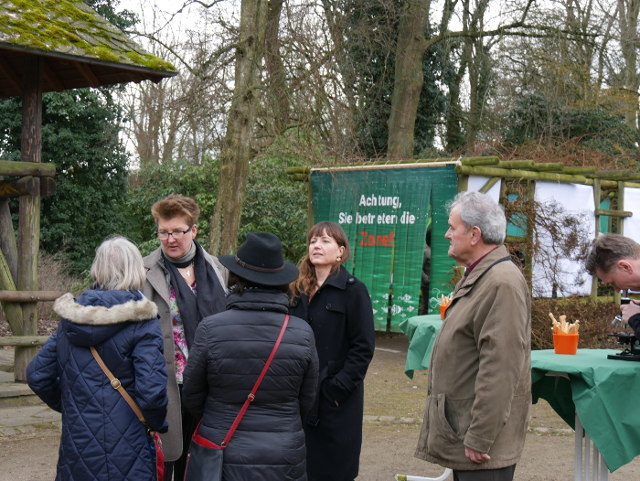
x=260, y=260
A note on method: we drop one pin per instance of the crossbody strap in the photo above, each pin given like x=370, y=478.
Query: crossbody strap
x=117, y=385
x=252, y=394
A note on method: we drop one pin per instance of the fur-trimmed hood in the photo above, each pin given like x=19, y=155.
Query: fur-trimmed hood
x=98, y=314
x=133, y=310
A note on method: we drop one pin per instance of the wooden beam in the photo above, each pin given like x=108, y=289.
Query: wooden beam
x=520, y=174
x=25, y=341
x=515, y=239
x=624, y=175
x=578, y=170
x=22, y=169
x=13, y=312
x=620, y=197
x=27, y=186
x=550, y=166
x=51, y=78
x=87, y=72
x=16, y=188
x=47, y=186
x=597, y=201
x=8, y=244
x=8, y=71
x=29, y=296
x=490, y=183
x=474, y=161
x=614, y=213
x=515, y=164
x=608, y=184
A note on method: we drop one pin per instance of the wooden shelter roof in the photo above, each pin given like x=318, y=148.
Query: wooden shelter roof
x=78, y=47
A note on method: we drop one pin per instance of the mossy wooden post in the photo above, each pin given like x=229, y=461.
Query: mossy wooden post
x=597, y=201
x=8, y=239
x=12, y=310
x=29, y=226
x=620, y=195
x=310, y=216
x=529, y=254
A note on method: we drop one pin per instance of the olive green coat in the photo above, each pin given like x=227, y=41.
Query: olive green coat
x=480, y=371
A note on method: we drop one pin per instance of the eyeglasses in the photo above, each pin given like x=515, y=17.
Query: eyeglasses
x=176, y=234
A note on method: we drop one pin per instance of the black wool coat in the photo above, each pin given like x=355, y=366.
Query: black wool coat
x=341, y=317
x=229, y=352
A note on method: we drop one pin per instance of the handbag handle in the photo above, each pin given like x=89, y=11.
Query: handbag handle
x=252, y=394
x=117, y=385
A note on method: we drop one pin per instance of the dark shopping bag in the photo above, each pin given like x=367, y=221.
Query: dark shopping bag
x=204, y=461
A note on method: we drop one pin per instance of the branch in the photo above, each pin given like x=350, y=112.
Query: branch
x=525, y=30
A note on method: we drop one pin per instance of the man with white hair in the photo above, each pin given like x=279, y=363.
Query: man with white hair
x=479, y=392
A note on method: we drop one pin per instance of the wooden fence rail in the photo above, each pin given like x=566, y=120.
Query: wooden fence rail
x=29, y=296
x=25, y=344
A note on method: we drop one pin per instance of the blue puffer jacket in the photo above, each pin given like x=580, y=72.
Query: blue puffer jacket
x=101, y=437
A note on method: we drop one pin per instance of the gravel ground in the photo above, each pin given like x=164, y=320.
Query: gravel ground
x=394, y=406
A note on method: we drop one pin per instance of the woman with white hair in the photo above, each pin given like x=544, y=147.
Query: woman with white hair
x=102, y=438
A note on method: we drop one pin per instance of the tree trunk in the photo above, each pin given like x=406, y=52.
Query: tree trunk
x=236, y=151
x=628, y=19
x=408, y=79
x=147, y=123
x=336, y=24
x=454, y=136
x=278, y=100
x=479, y=70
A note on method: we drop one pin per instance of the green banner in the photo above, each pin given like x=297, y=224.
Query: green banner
x=388, y=215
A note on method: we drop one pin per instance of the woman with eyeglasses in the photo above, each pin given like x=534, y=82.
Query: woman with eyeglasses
x=187, y=284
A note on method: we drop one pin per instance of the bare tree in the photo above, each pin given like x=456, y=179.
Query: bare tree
x=184, y=117
x=473, y=29
x=237, y=146
x=408, y=78
x=628, y=11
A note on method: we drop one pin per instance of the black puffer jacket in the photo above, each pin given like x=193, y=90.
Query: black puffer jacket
x=229, y=352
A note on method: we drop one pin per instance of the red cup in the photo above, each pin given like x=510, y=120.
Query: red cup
x=565, y=343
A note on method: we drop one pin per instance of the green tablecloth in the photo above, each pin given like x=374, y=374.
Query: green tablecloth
x=421, y=331
x=605, y=393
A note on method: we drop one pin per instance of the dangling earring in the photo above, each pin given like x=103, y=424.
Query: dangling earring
x=339, y=258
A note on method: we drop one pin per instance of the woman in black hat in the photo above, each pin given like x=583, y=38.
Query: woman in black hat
x=229, y=352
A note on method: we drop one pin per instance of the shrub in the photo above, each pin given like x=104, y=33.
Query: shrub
x=595, y=320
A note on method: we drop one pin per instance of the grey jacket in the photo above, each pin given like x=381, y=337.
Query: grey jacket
x=156, y=288
x=480, y=375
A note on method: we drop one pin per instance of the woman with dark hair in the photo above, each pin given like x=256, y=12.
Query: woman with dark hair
x=101, y=436
x=338, y=308
x=229, y=352
x=187, y=284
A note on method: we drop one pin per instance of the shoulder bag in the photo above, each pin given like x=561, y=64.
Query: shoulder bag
x=154, y=436
x=204, y=460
